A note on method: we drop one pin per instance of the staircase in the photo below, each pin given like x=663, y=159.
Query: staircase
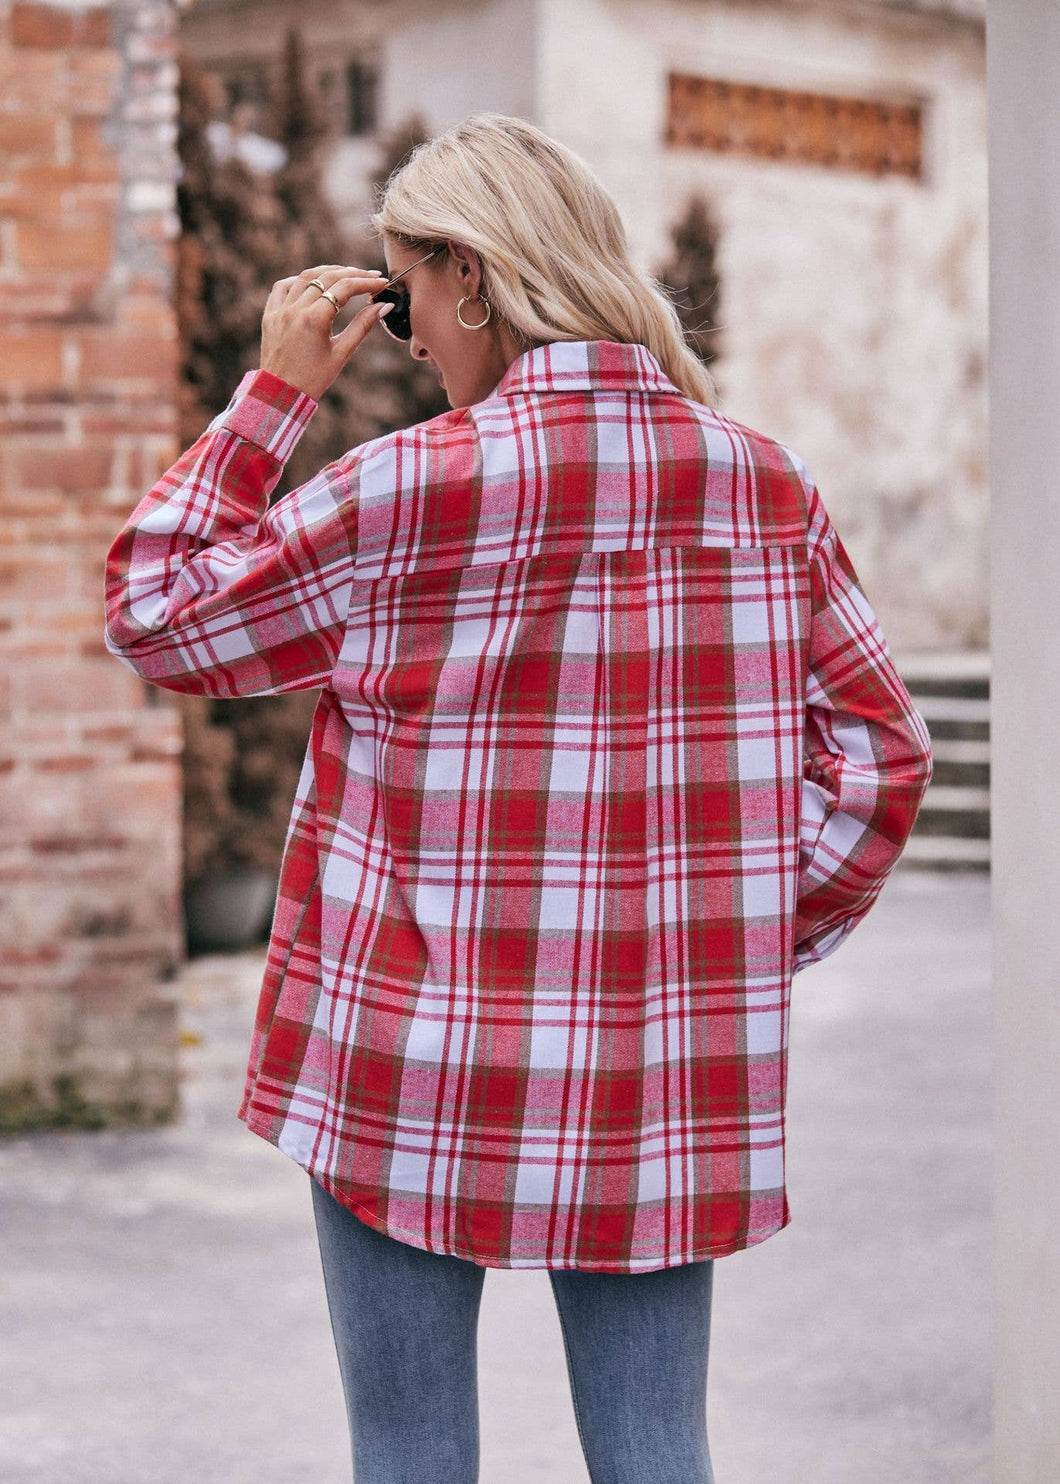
x=952, y=693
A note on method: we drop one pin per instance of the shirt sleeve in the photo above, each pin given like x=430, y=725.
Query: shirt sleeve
x=866, y=755
x=208, y=590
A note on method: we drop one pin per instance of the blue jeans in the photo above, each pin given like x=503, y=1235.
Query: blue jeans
x=405, y=1323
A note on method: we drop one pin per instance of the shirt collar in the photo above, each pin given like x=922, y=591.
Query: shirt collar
x=584, y=365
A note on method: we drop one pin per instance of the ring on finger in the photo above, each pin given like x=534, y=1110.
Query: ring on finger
x=327, y=294
x=316, y=284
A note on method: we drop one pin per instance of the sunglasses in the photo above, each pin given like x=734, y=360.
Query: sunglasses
x=398, y=323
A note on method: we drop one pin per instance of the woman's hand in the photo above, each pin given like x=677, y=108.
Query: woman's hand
x=296, y=340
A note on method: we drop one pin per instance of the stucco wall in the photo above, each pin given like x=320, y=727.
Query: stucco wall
x=854, y=306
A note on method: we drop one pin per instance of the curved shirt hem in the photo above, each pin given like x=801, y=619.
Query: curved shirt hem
x=416, y=1239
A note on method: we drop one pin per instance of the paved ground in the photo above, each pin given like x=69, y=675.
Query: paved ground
x=164, y=1317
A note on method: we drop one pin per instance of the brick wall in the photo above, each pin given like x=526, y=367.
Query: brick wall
x=89, y=767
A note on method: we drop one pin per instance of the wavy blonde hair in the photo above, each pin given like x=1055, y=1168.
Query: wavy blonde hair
x=553, y=247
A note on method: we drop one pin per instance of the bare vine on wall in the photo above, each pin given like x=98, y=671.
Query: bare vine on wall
x=692, y=276
x=242, y=228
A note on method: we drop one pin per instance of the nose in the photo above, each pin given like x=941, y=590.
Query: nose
x=417, y=350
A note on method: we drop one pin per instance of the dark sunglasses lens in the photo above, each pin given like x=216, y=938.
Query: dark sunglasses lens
x=397, y=322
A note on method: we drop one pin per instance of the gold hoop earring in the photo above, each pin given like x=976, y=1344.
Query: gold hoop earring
x=489, y=310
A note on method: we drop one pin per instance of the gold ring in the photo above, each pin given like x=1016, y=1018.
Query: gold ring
x=327, y=294
x=316, y=284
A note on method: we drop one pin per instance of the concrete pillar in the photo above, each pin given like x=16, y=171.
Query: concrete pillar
x=1023, y=83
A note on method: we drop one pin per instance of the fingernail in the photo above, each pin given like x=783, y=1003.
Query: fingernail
x=385, y=309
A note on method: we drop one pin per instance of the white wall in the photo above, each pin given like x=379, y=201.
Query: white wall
x=855, y=307
x=454, y=59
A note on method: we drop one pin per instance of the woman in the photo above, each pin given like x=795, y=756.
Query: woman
x=609, y=746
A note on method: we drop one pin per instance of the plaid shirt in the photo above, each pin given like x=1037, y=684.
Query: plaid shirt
x=609, y=746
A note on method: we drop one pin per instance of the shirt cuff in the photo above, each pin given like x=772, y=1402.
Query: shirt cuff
x=269, y=412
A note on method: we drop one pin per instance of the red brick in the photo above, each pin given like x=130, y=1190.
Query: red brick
x=27, y=135
x=74, y=622
x=31, y=202
x=107, y=355
x=66, y=843
x=110, y=879
x=41, y=26
x=94, y=156
x=18, y=420
x=94, y=26
x=152, y=463
x=45, y=27
x=50, y=176
x=28, y=77
x=93, y=82
x=17, y=957
x=99, y=61
x=92, y=685
x=39, y=246
x=122, y=732
x=71, y=763
x=90, y=203
x=77, y=718
x=70, y=470
x=159, y=418
x=47, y=298
x=157, y=731
x=30, y=577
x=31, y=359
x=107, y=953
x=34, y=736
x=37, y=507
x=146, y=312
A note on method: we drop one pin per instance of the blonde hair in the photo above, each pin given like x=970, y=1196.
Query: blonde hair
x=553, y=247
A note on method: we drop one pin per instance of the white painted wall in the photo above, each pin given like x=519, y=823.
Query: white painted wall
x=855, y=307
x=452, y=60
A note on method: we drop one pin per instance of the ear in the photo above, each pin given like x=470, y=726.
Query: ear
x=469, y=266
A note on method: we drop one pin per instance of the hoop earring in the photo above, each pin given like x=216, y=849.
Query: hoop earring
x=489, y=311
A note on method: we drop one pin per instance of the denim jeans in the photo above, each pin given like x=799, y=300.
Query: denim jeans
x=405, y=1323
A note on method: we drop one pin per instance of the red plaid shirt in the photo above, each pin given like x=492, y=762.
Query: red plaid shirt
x=609, y=746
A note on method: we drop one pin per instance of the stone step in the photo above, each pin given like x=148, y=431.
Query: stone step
x=956, y=798
x=951, y=690
x=960, y=750
x=919, y=667
x=951, y=708
x=944, y=850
